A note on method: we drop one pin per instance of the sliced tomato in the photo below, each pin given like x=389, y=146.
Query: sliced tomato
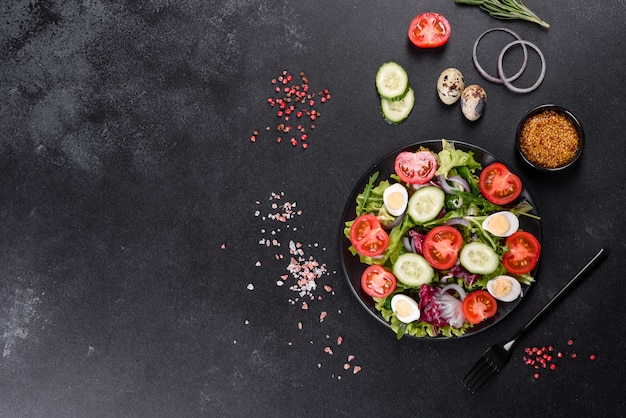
x=367, y=236
x=378, y=282
x=415, y=167
x=523, y=253
x=478, y=306
x=441, y=246
x=429, y=30
x=499, y=185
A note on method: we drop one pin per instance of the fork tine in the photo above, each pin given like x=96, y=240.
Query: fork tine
x=478, y=366
x=482, y=371
x=487, y=373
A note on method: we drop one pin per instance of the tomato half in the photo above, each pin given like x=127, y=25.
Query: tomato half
x=523, y=253
x=499, y=185
x=415, y=167
x=367, y=236
x=441, y=246
x=478, y=306
x=378, y=282
x=429, y=30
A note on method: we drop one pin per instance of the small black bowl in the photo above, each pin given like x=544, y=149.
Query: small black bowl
x=543, y=140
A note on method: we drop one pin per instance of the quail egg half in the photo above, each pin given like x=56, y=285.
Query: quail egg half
x=405, y=308
x=501, y=224
x=396, y=199
x=504, y=288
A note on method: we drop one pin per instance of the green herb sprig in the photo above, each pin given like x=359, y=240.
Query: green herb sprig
x=506, y=9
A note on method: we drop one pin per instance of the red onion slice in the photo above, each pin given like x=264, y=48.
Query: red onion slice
x=460, y=181
x=455, y=287
x=457, y=221
x=506, y=81
x=484, y=73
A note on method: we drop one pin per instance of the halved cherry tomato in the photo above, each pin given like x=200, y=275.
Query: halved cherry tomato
x=367, y=236
x=523, y=253
x=478, y=306
x=441, y=246
x=415, y=167
x=429, y=30
x=499, y=185
x=378, y=282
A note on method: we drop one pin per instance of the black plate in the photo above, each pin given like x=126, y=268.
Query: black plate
x=353, y=268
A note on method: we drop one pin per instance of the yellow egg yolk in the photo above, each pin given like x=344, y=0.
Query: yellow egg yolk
x=498, y=224
x=395, y=200
x=403, y=308
x=501, y=287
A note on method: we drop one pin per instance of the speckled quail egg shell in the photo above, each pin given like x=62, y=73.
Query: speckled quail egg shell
x=473, y=102
x=501, y=224
x=396, y=199
x=406, y=308
x=450, y=85
x=504, y=288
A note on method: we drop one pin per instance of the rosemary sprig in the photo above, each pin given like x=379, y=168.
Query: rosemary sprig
x=506, y=9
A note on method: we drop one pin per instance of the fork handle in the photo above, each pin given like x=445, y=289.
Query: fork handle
x=592, y=263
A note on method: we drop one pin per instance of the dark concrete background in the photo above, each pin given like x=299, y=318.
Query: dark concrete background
x=133, y=204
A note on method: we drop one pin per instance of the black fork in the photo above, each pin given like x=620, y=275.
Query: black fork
x=497, y=356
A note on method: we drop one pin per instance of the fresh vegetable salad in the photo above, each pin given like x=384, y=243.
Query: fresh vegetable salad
x=441, y=243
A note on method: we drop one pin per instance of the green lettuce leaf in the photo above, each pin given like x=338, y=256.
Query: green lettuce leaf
x=450, y=157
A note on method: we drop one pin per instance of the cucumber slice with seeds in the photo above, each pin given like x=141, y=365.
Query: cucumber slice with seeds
x=397, y=111
x=392, y=81
x=479, y=258
x=413, y=270
x=426, y=203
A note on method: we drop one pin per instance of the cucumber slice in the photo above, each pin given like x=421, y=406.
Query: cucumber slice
x=392, y=81
x=479, y=258
x=397, y=111
x=426, y=203
x=413, y=270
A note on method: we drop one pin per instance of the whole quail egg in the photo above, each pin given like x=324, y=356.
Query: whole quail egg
x=450, y=85
x=473, y=102
x=406, y=308
x=396, y=198
x=501, y=224
x=504, y=288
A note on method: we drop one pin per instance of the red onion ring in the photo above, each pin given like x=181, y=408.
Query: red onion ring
x=483, y=72
x=506, y=81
